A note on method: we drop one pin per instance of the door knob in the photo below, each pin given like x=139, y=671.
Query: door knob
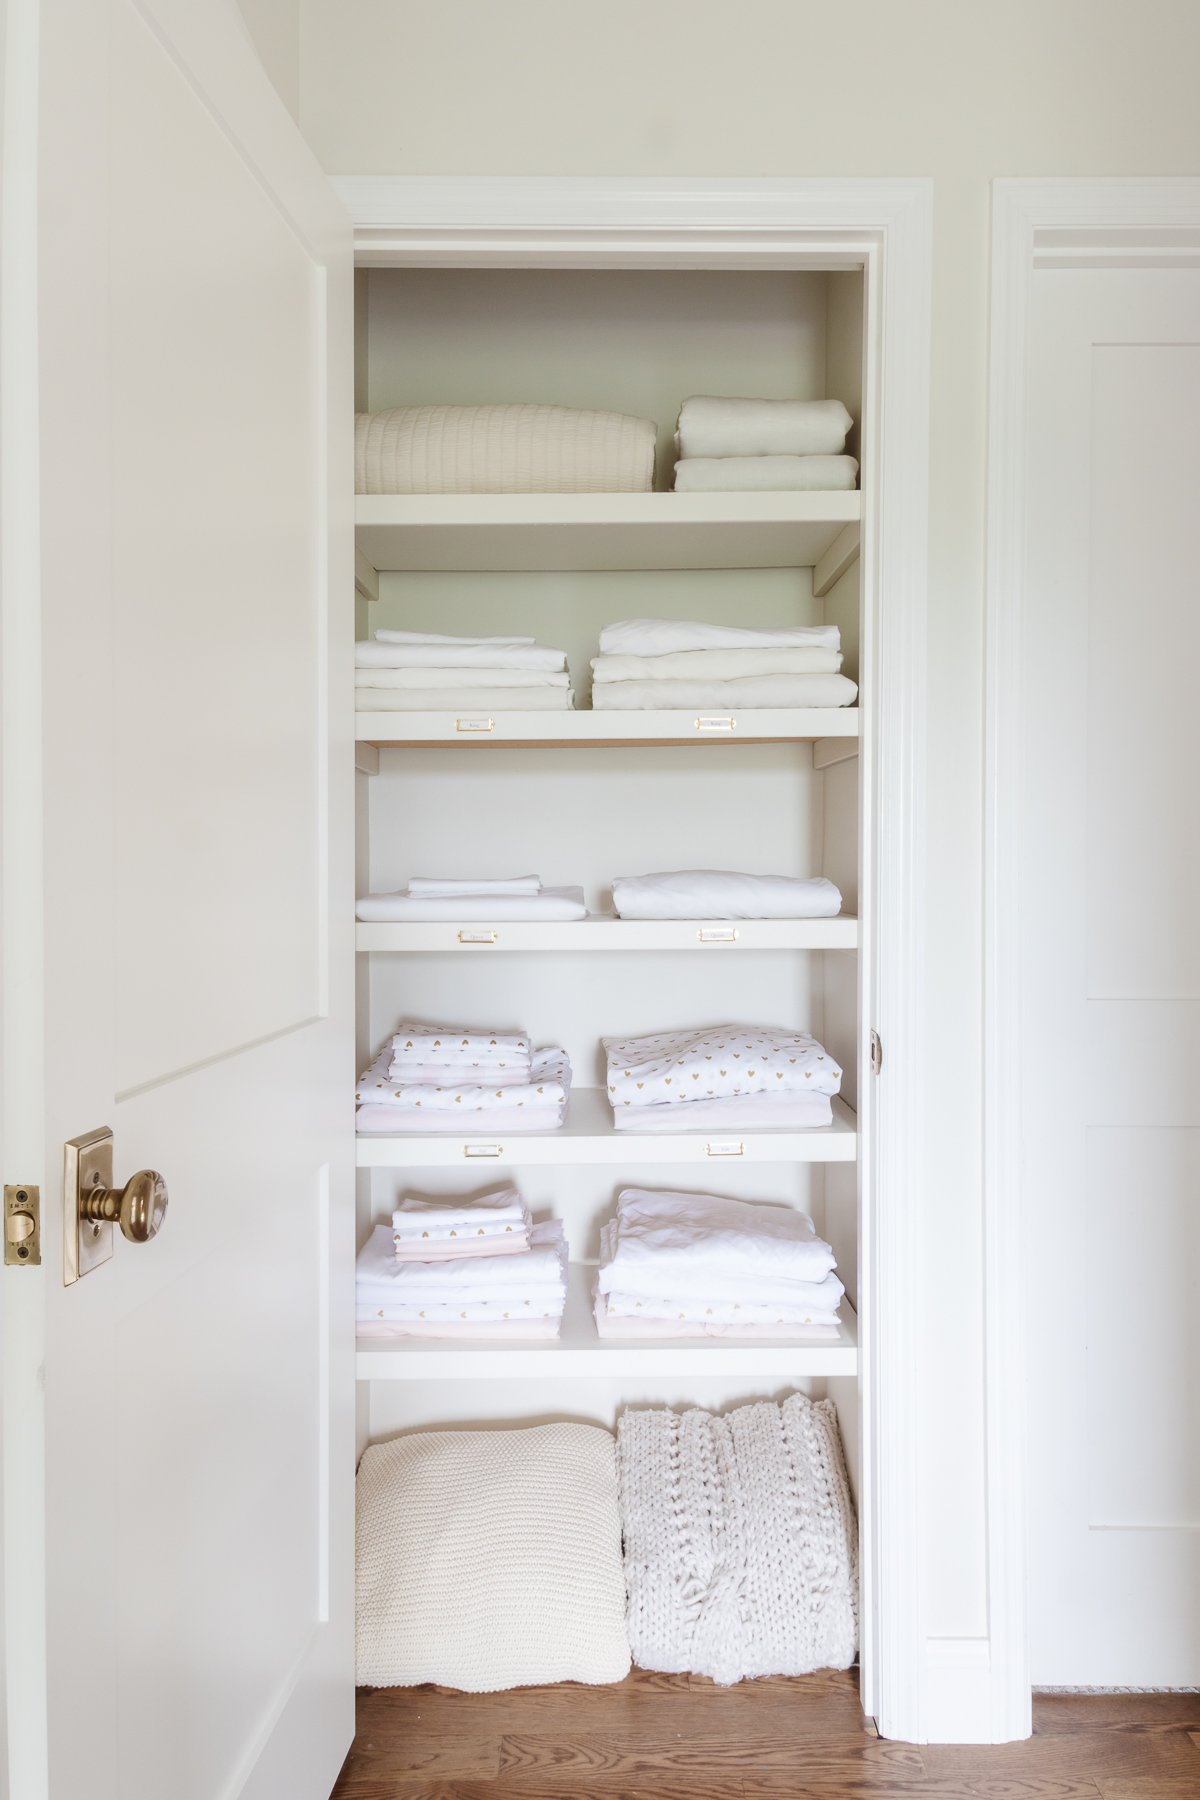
x=92, y=1205
x=138, y=1208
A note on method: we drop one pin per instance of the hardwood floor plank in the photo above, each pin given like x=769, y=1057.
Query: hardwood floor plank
x=1058, y=1713
x=1149, y=1787
x=605, y=1758
x=1077, y=1755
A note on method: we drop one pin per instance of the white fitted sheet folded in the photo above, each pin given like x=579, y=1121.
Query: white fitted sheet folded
x=715, y=665
x=522, y=449
x=550, y=903
x=460, y=654
x=492, y=1245
x=418, y=1221
x=385, y=1281
x=680, y=1240
x=702, y=1294
x=724, y=894
x=442, y=887
x=766, y=475
x=470, y=701
x=721, y=425
x=665, y=637
x=442, y=637
x=744, y=1112
x=500, y=1331
x=677, y=1067
x=433, y=679
x=609, y=1325
x=476, y=1127
x=725, y=696
x=549, y=1085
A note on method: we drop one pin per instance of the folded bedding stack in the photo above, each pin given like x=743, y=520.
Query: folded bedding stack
x=423, y=671
x=480, y=1284
x=523, y=449
x=431, y=898
x=444, y=1078
x=726, y=1077
x=762, y=446
x=665, y=663
x=724, y=894
x=694, y=1265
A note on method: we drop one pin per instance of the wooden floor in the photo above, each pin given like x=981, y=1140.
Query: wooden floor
x=674, y=1738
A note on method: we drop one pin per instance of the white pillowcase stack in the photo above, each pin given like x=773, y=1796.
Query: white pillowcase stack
x=762, y=446
x=447, y=1078
x=665, y=663
x=421, y=671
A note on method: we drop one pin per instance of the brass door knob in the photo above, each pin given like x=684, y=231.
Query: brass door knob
x=138, y=1208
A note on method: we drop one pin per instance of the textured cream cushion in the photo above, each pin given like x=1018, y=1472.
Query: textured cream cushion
x=490, y=1559
x=501, y=450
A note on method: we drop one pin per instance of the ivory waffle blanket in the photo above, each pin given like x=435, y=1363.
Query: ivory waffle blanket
x=501, y=450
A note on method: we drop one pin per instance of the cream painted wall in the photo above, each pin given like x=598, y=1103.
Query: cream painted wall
x=948, y=88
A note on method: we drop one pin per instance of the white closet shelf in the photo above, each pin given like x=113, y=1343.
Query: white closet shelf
x=710, y=935
x=563, y=730
x=588, y=1137
x=494, y=532
x=578, y=1351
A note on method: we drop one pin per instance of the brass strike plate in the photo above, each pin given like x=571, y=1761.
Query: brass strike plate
x=22, y=1225
x=88, y=1164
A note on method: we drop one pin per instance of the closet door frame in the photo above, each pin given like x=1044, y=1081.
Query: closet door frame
x=1037, y=223
x=883, y=227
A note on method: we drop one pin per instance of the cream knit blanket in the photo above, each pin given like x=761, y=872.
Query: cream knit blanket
x=740, y=1540
x=501, y=450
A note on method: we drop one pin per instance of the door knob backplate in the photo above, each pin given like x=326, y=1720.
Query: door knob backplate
x=91, y=1205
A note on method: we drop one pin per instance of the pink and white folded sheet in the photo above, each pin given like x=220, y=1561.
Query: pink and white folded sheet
x=480, y=1295
x=497, y=1224
x=468, y=1099
x=680, y=1075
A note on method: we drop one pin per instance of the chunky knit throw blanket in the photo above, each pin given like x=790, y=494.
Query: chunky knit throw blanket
x=740, y=1540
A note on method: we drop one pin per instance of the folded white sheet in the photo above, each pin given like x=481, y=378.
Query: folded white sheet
x=456, y=653
x=716, y=1298
x=765, y=474
x=492, y=1245
x=676, y=1067
x=441, y=637
x=415, y=1220
x=441, y=887
x=742, y=1112
x=488, y=909
x=548, y=1086
x=436, y=678
x=500, y=1331
x=715, y=665
x=664, y=637
x=711, y=425
x=474, y=702
x=382, y=1279
x=521, y=449
x=724, y=894
x=671, y=1238
x=477, y=1127
x=608, y=1325
x=725, y=696
x=475, y=1047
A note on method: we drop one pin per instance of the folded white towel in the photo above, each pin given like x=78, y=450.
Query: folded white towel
x=724, y=894
x=523, y=449
x=439, y=887
x=740, y=1112
x=456, y=653
x=725, y=696
x=473, y=702
x=477, y=1127
x=483, y=909
x=671, y=1240
x=441, y=637
x=712, y=425
x=715, y=665
x=675, y=1067
x=663, y=637
x=433, y=679
x=766, y=475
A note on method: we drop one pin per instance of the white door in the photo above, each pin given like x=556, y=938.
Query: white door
x=177, y=810
x=1110, y=1050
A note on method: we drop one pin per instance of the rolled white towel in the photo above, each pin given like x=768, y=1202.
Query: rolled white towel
x=765, y=474
x=711, y=425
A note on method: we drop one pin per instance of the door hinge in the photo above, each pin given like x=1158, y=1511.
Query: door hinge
x=22, y=1225
x=876, y=1052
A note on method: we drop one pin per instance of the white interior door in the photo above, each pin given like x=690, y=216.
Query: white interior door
x=193, y=987
x=1110, y=898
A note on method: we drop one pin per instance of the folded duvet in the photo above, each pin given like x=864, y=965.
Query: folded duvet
x=724, y=894
x=715, y=665
x=663, y=637
x=472, y=700
x=765, y=474
x=524, y=449
x=719, y=425
x=550, y=903
x=725, y=696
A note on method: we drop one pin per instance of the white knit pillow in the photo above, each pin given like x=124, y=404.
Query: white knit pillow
x=490, y=1559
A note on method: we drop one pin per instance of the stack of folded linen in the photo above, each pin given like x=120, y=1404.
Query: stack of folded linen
x=727, y=1077
x=762, y=445
x=664, y=663
x=724, y=894
x=497, y=1224
x=444, y=1078
x=482, y=1295
x=421, y=671
x=431, y=897
x=521, y=449
x=695, y=1265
